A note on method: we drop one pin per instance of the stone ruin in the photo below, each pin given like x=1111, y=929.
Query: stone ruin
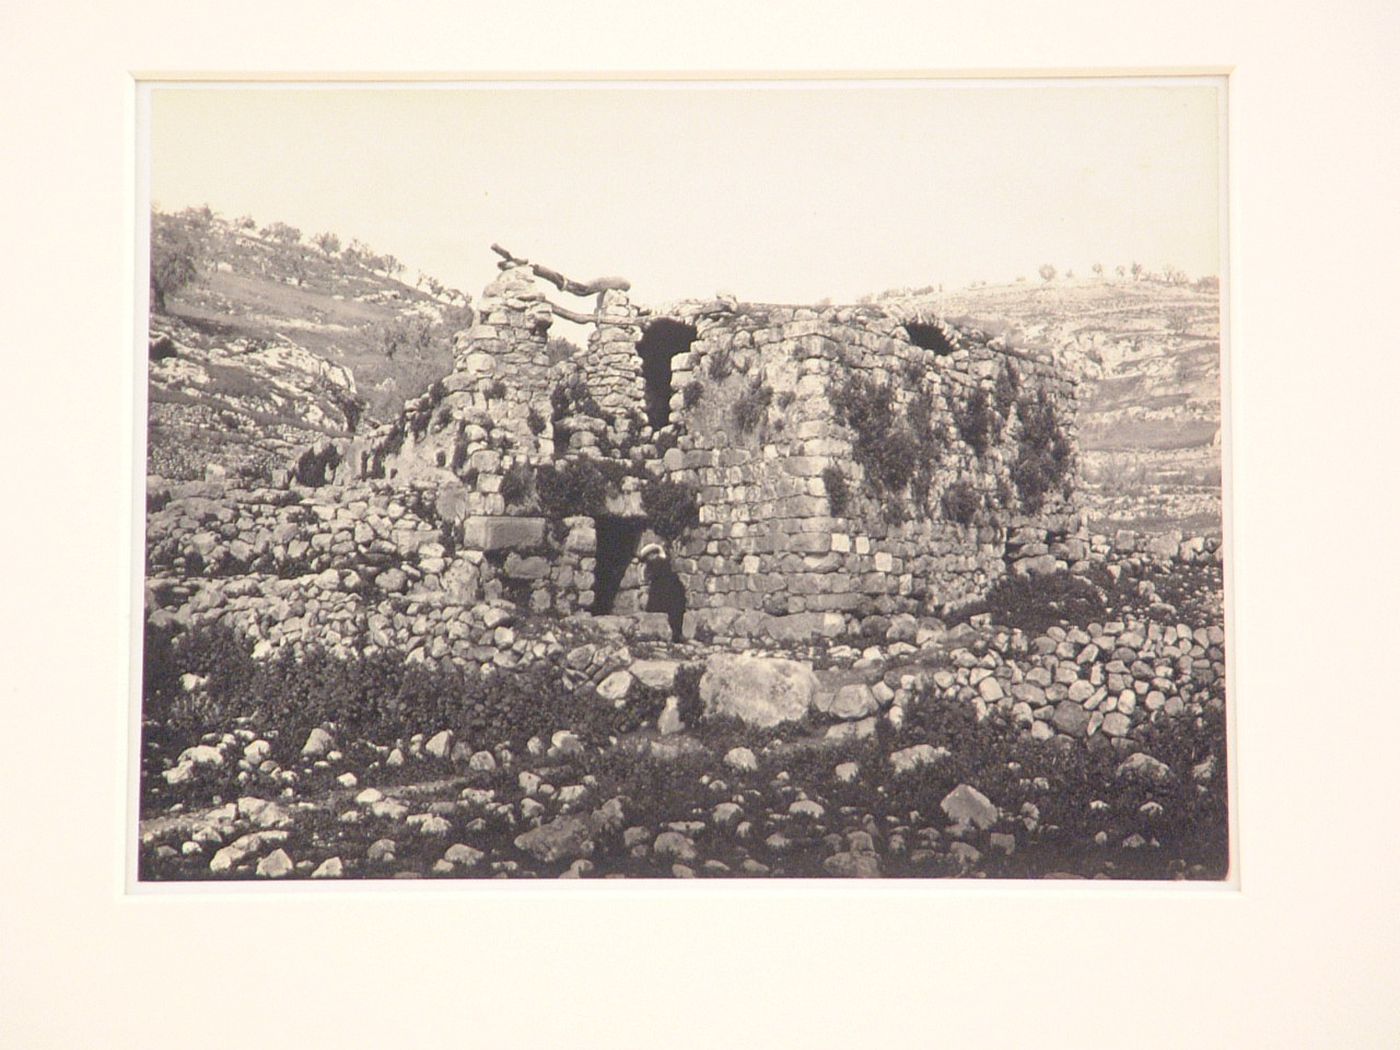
x=841, y=462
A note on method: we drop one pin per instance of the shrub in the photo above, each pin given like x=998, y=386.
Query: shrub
x=576, y=487
x=751, y=406
x=721, y=365
x=517, y=484
x=407, y=333
x=571, y=397
x=315, y=464
x=1035, y=603
x=460, y=450
x=534, y=421
x=961, y=502
x=671, y=507
x=838, y=490
x=560, y=349
x=885, y=445
x=495, y=389
x=352, y=407
x=327, y=242
x=1007, y=389
x=691, y=394
x=973, y=419
x=1045, y=458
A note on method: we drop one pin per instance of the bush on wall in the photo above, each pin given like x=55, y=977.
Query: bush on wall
x=1045, y=457
x=671, y=507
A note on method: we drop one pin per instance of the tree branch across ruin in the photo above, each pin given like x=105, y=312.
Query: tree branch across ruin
x=565, y=284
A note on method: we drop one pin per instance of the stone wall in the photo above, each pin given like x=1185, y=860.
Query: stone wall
x=357, y=568
x=770, y=543
x=769, y=539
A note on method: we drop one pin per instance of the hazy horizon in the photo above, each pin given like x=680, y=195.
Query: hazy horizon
x=780, y=191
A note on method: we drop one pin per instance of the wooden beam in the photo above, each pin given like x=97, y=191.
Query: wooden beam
x=565, y=284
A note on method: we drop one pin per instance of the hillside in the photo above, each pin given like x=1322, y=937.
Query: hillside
x=271, y=343
x=1148, y=353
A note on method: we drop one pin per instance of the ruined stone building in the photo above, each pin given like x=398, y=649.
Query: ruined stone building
x=804, y=467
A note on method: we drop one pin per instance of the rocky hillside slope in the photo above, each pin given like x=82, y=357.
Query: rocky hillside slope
x=264, y=344
x=1148, y=352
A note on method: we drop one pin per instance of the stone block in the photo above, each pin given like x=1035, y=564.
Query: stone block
x=498, y=532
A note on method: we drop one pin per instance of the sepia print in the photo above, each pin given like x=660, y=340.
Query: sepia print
x=862, y=519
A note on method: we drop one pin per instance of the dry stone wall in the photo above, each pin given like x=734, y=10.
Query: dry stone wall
x=761, y=427
x=358, y=568
x=770, y=539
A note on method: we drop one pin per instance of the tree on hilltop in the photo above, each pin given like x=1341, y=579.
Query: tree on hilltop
x=1047, y=272
x=175, y=254
x=327, y=242
x=282, y=233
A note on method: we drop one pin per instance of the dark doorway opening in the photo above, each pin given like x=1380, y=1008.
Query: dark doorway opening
x=663, y=340
x=617, y=541
x=929, y=337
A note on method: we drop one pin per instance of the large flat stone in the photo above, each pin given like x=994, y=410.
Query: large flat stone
x=489, y=533
x=762, y=691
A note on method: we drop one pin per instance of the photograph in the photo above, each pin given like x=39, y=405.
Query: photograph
x=652, y=479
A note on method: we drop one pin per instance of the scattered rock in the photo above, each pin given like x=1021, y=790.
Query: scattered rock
x=561, y=839
x=275, y=865
x=330, y=868
x=853, y=865
x=463, y=856
x=966, y=805
x=615, y=687
x=318, y=742
x=1143, y=767
x=741, y=759
x=912, y=758
x=674, y=844
x=851, y=701
x=440, y=745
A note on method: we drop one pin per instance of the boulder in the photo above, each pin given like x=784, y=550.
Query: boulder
x=440, y=745
x=674, y=844
x=854, y=700
x=615, y=686
x=1143, y=767
x=563, y=838
x=761, y=691
x=655, y=674
x=741, y=759
x=275, y=865
x=912, y=758
x=853, y=865
x=1071, y=718
x=966, y=805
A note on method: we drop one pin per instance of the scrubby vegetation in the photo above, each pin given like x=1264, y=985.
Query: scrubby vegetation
x=975, y=421
x=671, y=507
x=751, y=406
x=571, y=488
x=961, y=502
x=316, y=465
x=838, y=490
x=1035, y=604
x=1044, y=457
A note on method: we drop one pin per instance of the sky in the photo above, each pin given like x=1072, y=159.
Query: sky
x=775, y=192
